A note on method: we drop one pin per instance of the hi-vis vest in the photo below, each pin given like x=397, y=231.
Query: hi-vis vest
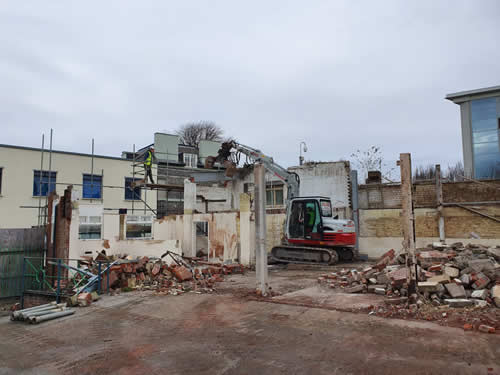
x=148, y=159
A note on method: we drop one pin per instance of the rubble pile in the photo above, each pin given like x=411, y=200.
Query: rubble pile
x=180, y=275
x=449, y=277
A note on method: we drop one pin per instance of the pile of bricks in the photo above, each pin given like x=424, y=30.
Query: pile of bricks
x=448, y=276
x=155, y=274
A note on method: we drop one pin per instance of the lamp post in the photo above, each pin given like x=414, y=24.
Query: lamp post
x=303, y=147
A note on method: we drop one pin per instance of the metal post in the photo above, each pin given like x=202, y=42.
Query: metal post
x=355, y=205
x=260, y=229
x=22, y=283
x=107, y=278
x=49, y=178
x=439, y=203
x=99, y=277
x=91, y=171
x=133, y=178
x=408, y=220
x=58, y=297
x=40, y=180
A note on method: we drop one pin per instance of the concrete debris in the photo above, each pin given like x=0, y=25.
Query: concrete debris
x=449, y=277
x=495, y=295
x=455, y=291
x=481, y=294
x=459, y=302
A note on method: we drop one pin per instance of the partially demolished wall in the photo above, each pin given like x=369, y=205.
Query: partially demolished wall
x=380, y=209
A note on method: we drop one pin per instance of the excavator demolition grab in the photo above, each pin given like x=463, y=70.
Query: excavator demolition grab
x=312, y=234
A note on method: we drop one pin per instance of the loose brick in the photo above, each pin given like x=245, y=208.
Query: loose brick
x=481, y=282
x=182, y=273
x=486, y=329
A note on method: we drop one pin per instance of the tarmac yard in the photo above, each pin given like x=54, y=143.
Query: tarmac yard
x=233, y=332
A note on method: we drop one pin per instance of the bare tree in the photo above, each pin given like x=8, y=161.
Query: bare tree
x=455, y=172
x=452, y=173
x=192, y=133
x=371, y=160
x=425, y=172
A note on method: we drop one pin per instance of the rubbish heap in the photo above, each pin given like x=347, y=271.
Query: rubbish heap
x=449, y=277
x=177, y=275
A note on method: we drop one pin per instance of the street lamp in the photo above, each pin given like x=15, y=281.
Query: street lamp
x=303, y=147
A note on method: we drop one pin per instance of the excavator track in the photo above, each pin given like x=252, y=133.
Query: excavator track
x=304, y=255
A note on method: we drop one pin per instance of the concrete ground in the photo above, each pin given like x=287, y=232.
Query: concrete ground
x=232, y=332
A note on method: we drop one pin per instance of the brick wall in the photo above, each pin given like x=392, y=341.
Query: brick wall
x=380, y=210
x=424, y=194
x=458, y=223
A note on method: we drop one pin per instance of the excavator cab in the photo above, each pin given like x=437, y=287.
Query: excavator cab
x=305, y=218
x=313, y=235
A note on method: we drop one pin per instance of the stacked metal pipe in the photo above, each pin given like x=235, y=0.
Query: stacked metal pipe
x=42, y=313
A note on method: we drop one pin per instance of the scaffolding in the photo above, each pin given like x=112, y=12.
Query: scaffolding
x=47, y=186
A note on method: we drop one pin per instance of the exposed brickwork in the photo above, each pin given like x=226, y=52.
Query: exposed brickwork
x=458, y=222
x=389, y=195
x=63, y=224
x=32, y=300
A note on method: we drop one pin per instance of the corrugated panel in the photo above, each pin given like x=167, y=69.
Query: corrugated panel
x=15, y=244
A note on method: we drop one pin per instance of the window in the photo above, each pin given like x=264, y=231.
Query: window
x=139, y=226
x=90, y=228
x=274, y=195
x=485, y=138
x=326, y=208
x=191, y=160
x=92, y=186
x=43, y=183
x=132, y=194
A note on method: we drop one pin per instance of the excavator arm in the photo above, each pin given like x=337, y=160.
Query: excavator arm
x=289, y=178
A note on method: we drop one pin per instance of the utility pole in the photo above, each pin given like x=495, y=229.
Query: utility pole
x=260, y=229
x=439, y=203
x=408, y=221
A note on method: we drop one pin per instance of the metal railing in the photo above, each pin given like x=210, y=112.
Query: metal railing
x=62, y=277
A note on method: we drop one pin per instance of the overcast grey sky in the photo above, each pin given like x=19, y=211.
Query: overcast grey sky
x=340, y=75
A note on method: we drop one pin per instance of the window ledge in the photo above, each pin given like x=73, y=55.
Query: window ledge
x=139, y=238
x=91, y=199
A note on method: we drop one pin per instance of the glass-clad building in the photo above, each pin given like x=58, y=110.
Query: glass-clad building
x=480, y=117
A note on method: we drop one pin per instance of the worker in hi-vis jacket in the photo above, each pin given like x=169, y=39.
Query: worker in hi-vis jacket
x=148, y=161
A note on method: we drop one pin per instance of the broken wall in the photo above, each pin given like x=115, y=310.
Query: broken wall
x=380, y=214
x=329, y=179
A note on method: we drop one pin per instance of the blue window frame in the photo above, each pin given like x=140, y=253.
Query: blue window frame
x=92, y=186
x=132, y=194
x=43, y=183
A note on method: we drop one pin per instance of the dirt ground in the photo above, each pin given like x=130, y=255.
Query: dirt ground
x=233, y=332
